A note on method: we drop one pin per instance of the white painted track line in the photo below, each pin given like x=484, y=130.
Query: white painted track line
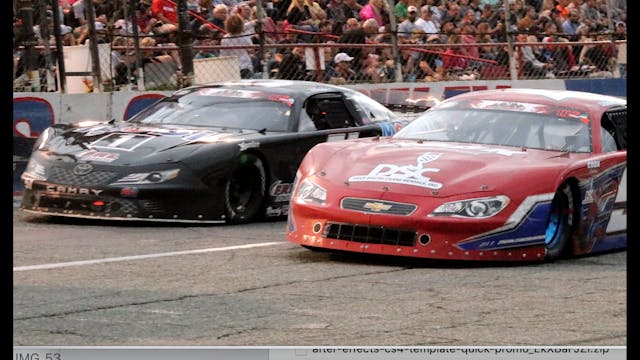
x=142, y=257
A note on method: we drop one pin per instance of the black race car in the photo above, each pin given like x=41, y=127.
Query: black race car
x=225, y=152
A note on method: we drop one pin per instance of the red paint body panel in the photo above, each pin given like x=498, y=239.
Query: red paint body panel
x=372, y=176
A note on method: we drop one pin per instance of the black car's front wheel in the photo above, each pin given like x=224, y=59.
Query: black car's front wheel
x=245, y=189
x=560, y=223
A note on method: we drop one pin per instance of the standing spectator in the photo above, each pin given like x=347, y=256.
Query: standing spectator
x=234, y=25
x=426, y=21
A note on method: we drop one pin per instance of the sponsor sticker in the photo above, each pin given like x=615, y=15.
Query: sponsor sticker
x=95, y=155
x=404, y=174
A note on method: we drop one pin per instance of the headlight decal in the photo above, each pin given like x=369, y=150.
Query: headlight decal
x=310, y=192
x=479, y=208
x=151, y=177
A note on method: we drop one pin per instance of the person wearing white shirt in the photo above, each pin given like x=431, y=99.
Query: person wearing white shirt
x=426, y=21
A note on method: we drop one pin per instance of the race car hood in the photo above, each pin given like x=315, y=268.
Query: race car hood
x=135, y=144
x=436, y=168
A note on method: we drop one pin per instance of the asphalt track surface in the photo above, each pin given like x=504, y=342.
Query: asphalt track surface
x=90, y=283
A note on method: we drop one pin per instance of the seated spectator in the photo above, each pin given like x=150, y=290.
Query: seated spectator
x=358, y=35
x=406, y=27
x=207, y=36
x=426, y=21
x=340, y=73
x=375, y=9
x=166, y=13
x=351, y=9
x=292, y=66
x=335, y=11
x=531, y=64
x=218, y=15
x=559, y=55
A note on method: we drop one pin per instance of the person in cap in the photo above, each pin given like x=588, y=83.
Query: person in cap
x=409, y=25
x=341, y=72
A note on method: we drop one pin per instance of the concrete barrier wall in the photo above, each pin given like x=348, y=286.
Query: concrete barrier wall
x=34, y=112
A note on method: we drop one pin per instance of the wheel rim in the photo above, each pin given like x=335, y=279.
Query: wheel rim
x=560, y=219
x=553, y=229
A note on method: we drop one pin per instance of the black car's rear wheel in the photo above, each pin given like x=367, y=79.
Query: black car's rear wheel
x=245, y=190
x=560, y=223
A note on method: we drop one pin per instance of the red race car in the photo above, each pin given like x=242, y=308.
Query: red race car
x=498, y=175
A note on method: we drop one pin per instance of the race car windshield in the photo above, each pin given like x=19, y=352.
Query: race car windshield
x=225, y=112
x=496, y=127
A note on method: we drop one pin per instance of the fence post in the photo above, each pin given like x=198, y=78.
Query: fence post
x=186, y=47
x=259, y=28
x=513, y=70
x=394, y=41
x=59, y=47
x=25, y=10
x=93, y=46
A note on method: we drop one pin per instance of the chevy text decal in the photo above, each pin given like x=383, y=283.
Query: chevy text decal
x=406, y=174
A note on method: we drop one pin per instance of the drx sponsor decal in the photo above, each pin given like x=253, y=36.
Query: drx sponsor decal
x=406, y=174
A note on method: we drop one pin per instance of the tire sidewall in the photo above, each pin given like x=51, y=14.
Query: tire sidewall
x=255, y=165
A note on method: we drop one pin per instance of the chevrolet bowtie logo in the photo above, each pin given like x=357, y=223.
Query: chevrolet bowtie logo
x=376, y=206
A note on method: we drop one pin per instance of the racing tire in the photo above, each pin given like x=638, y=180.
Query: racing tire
x=245, y=190
x=560, y=224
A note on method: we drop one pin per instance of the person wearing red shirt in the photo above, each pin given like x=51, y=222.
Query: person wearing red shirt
x=165, y=11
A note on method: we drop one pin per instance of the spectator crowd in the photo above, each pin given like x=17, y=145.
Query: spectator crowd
x=438, y=39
